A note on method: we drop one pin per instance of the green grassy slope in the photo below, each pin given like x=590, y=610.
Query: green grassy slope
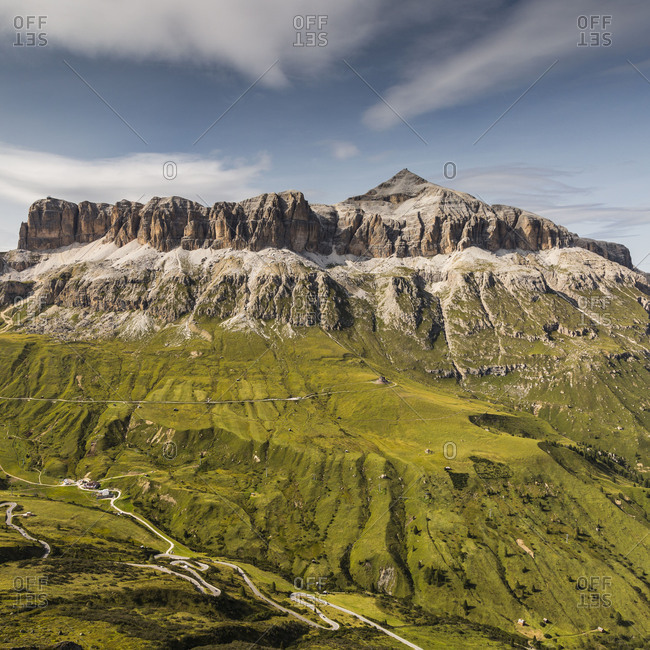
x=348, y=484
x=86, y=594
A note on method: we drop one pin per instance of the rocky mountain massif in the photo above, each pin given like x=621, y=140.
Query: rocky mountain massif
x=431, y=403
x=512, y=306
x=406, y=216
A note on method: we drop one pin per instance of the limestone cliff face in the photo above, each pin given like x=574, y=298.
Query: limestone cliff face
x=50, y=223
x=406, y=216
x=268, y=221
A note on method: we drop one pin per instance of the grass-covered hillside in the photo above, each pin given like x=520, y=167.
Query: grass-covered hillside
x=562, y=333
x=315, y=457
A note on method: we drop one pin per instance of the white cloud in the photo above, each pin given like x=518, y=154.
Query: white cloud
x=26, y=176
x=515, y=51
x=247, y=35
x=342, y=150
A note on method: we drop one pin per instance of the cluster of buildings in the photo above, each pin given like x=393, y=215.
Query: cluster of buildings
x=88, y=484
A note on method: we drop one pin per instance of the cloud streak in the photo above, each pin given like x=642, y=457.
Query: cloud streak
x=342, y=150
x=552, y=193
x=520, y=44
x=247, y=35
x=27, y=175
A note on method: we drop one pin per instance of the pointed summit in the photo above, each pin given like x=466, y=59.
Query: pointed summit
x=401, y=187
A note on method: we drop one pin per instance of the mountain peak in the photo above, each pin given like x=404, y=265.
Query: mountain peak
x=406, y=216
x=402, y=186
x=406, y=176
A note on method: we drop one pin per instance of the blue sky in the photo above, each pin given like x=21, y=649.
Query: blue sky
x=501, y=89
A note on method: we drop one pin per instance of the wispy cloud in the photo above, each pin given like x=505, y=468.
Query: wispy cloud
x=518, y=47
x=27, y=175
x=520, y=185
x=247, y=35
x=555, y=194
x=342, y=150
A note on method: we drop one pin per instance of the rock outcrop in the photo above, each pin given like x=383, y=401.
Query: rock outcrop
x=406, y=216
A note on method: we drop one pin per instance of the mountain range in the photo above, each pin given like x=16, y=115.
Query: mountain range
x=405, y=216
x=439, y=406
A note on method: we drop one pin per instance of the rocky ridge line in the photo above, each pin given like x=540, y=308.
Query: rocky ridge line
x=406, y=216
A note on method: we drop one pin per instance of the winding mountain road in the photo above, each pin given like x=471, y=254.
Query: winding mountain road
x=331, y=625
x=203, y=586
x=9, y=520
x=298, y=596
x=144, y=522
x=194, y=566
